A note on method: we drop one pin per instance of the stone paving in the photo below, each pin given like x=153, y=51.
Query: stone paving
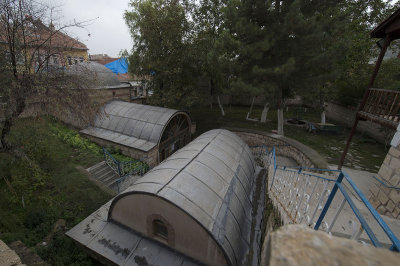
x=8, y=256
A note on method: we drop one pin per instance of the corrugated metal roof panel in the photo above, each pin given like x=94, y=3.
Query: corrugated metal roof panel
x=118, y=138
x=211, y=179
x=138, y=121
x=120, y=245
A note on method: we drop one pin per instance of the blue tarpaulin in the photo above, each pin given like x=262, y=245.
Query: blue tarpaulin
x=119, y=66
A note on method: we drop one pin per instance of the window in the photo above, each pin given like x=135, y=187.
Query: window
x=75, y=61
x=160, y=229
x=81, y=59
x=69, y=60
x=55, y=60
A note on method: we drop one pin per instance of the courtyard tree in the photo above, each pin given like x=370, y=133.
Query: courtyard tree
x=355, y=69
x=163, y=33
x=29, y=77
x=284, y=47
x=215, y=60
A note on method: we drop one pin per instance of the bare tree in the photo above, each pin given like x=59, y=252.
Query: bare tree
x=33, y=66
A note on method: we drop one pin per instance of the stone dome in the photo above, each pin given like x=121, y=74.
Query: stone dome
x=102, y=76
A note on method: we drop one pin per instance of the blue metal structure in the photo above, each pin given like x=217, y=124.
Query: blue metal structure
x=293, y=188
x=125, y=168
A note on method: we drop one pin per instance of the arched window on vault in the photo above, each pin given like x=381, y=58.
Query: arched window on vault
x=159, y=229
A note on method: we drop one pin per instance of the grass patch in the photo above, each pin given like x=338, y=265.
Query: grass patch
x=364, y=152
x=44, y=184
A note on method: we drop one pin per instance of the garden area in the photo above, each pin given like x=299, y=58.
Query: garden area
x=44, y=184
x=44, y=181
x=365, y=153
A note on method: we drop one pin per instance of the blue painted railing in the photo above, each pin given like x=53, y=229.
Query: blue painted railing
x=307, y=195
x=125, y=168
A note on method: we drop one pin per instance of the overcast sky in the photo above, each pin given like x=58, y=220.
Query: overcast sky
x=108, y=31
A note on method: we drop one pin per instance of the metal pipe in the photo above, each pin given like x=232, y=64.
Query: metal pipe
x=329, y=201
x=337, y=215
x=319, y=202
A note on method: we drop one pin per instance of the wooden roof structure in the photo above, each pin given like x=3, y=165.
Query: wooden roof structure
x=378, y=105
x=389, y=27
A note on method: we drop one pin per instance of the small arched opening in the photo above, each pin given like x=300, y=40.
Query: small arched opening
x=175, y=135
x=159, y=228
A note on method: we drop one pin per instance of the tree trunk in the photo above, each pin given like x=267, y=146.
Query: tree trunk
x=251, y=108
x=220, y=106
x=264, y=113
x=210, y=87
x=323, y=118
x=8, y=122
x=280, y=121
x=4, y=145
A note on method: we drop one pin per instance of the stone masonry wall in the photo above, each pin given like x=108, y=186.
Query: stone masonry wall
x=294, y=245
x=303, y=155
x=150, y=157
x=387, y=200
x=98, y=97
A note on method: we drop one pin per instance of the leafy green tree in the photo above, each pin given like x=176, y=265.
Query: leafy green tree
x=163, y=34
x=279, y=45
x=356, y=68
x=209, y=41
x=389, y=75
x=26, y=74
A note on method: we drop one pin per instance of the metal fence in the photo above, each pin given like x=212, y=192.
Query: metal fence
x=125, y=168
x=324, y=199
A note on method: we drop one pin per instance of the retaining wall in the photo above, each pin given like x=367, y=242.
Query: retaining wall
x=386, y=199
x=97, y=97
x=302, y=154
x=150, y=157
x=294, y=245
x=344, y=115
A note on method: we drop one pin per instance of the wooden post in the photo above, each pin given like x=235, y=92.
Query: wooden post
x=364, y=100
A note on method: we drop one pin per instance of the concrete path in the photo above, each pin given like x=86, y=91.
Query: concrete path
x=285, y=161
x=362, y=179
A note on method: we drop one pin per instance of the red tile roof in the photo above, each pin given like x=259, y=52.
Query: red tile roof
x=37, y=34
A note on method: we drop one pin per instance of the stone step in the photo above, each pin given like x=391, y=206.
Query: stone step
x=96, y=166
x=109, y=177
x=105, y=174
x=101, y=171
x=112, y=182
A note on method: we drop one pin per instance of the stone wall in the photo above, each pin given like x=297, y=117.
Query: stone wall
x=150, y=157
x=258, y=100
x=35, y=107
x=300, y=245
x=302, y=154
x=344, y=115
x=386, y=199
x=8, y=257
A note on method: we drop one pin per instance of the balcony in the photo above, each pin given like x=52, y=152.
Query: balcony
x=382, y=107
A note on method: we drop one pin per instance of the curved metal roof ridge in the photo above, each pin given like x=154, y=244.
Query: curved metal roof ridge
x=211, y=180
x=134, y=125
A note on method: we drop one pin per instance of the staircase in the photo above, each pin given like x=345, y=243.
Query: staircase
x=105, y=174
x=326, y=200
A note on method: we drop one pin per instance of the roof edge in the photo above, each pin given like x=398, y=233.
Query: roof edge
x=121, y=195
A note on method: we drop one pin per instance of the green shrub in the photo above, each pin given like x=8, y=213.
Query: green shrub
x=27, y=178
x=73, y=138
